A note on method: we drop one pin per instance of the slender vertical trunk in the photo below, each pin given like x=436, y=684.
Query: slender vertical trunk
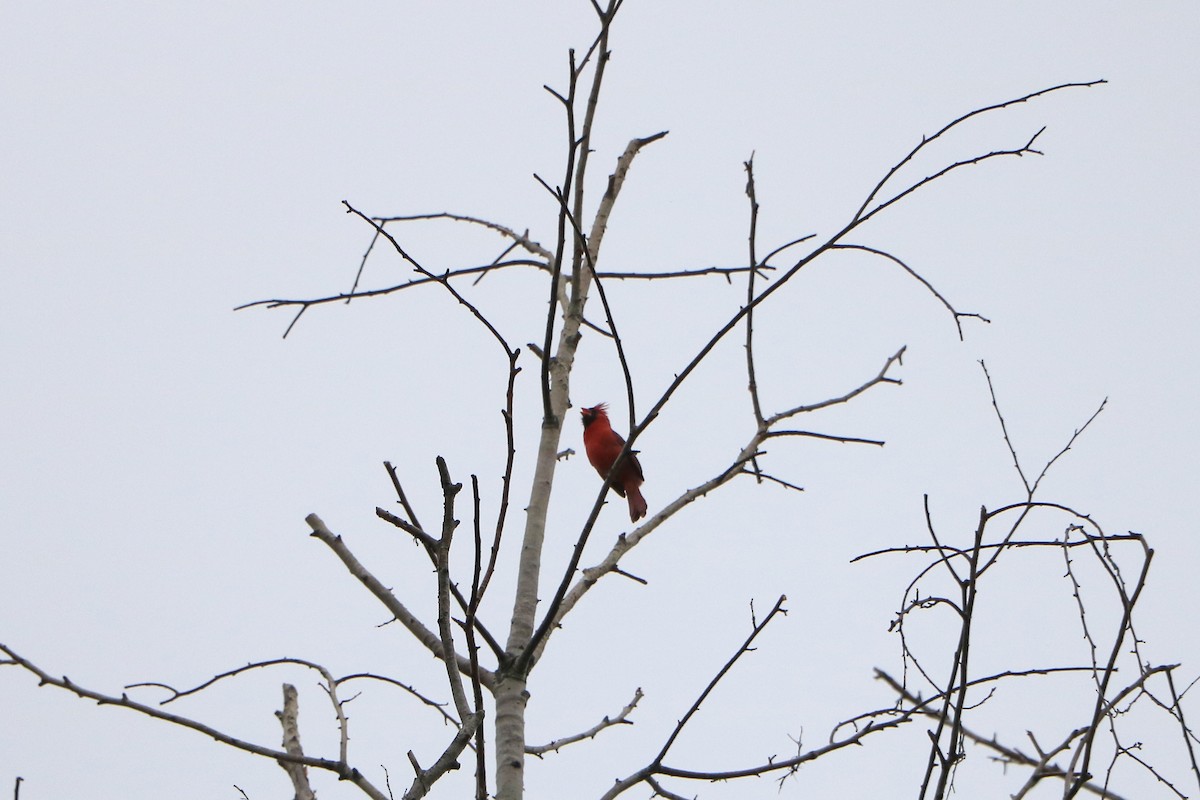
x=511, y=697
x=511, y=693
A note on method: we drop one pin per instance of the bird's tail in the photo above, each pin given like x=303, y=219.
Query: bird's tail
x=637, y=503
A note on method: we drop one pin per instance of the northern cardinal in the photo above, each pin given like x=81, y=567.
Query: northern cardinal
x=603, y=445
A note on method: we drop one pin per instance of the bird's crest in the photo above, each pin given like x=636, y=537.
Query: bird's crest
x=590, y=415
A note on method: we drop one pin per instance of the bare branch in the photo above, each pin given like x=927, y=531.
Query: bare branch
x=1103, y=706
x=340, y=768
x=763, y=476
x=752, y=238
x=1176, y=710
x=615, y=181
x=827, y=436
x=481, y=790
x=1004, y=431
x=521, y=240
x=1030, y=488
x=443, y=280
x=1076, y=592
x=1011, y=754
x=422, y=538
x=1014, y=543
x=389, y=600
x=575, y=305
x=449, y=657
x=289, y=720
x=622, y=718
x=725, y=272
x=430, y=545
x=782, y=248
x=362, y=265
x=712, y=684
x=656, y=767
x=439, y=707
x=505, y=483
x=626, y=541
x=944, y=760
x=304, y=304
x=591, y=251
x=927, y=140
x=1074, y=436
x=448, y=761
x=880, y=377
x=660, y=791
x=1023, y=150
x=401, y=496
x=958, y=315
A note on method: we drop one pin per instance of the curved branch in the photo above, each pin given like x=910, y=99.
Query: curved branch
x=958, y=315
x=340, y=767
x=926, y=140
x=521, y=240
x=1025, y=149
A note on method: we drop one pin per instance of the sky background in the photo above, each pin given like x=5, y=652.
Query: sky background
x=162, y=163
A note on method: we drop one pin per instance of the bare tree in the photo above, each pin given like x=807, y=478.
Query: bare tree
x=489, y=664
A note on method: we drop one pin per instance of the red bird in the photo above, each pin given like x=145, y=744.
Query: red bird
x=603, y=445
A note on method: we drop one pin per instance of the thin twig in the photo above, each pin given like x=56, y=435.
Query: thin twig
x=927, y=140
x=958, y=315
x=475, y=312
x=448, y=654
x=752, y=244
x=716, y=679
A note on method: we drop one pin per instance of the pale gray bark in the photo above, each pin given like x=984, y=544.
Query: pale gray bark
x=510, y=691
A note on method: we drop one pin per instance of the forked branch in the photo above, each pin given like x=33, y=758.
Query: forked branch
x=341, y=768
x=621, y=718
x=424, y=635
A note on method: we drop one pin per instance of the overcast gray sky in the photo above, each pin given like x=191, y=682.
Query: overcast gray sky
x=161, y=163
